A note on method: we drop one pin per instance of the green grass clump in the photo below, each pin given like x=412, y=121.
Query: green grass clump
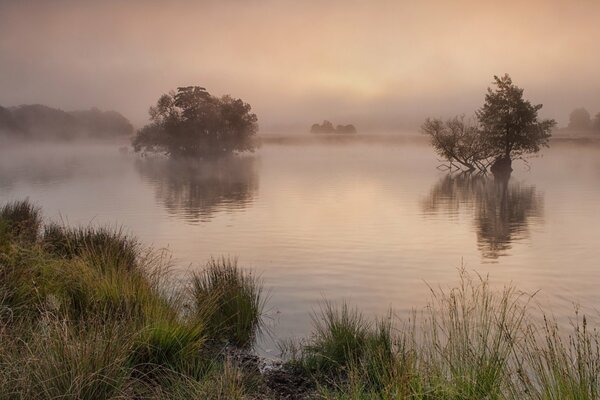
x=105, y=247
x=20, y=220
x=229, y=300
x=69, y=362
x=172, y=347
x=464, y=347
x=88, y=313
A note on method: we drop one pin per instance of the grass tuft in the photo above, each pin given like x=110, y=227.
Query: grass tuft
x=20, y=220
x=230, y=300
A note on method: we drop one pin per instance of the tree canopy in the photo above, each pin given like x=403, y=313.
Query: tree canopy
x=327, y=127
x=580, y=119
x=40, y=122
x=192, y=122
x=506, y=127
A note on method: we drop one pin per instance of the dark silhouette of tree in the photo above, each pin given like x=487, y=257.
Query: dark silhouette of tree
x=580, y=119
x=596, y=123
x=327, y=127
x=192, y=122
x=458, y=142
x=8, y=124
x=502, y=210
x=102, y=124
x=507, y=127
x=39, y=122
x=345, y=129
x=510, y=124
x=195, y=189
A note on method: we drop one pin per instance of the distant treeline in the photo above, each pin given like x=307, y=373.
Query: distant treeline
x=39, y=122
x=581, y=120
x=327, y=127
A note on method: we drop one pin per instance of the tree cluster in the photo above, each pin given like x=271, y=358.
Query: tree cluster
x=581, y=120
x=506, y=127
x=192, y=122
x=327, y=127
x=39, y=122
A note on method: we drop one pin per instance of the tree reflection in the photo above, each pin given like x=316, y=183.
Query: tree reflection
x=196, y=189
x=502, y=208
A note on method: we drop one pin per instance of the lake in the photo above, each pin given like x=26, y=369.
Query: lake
x=370, y=222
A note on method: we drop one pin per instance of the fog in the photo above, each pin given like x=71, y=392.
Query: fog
x=376, y=64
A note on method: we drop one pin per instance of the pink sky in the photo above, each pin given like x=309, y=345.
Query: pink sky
x=376, y=63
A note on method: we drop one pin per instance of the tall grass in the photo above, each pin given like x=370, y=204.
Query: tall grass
x=470, y=343
x=230, y=300
x=21, y=220
x=559, y=367
x=88, y=313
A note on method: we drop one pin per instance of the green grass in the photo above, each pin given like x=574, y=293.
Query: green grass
x=21, y=220
x=470, y=343
x=88, y=313
x=230, y=300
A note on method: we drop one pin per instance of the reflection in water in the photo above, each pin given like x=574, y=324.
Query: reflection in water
x=502, y=209
x=47, y=165
x=196, y=189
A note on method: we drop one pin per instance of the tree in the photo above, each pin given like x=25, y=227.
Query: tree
x=596, y=123
x=325, y=127
x=192, y=122
x=510, y=125
x=345, y=129
x=507, y=127
x=457, y=141
x=580, y=119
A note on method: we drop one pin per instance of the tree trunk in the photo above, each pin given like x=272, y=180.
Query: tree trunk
x=502, y=165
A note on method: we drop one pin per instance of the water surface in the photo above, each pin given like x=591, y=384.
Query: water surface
x=364, y=222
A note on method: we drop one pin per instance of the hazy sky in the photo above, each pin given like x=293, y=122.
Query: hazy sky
x=383, y=63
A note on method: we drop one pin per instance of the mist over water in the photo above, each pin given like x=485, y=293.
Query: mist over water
x=370, y=223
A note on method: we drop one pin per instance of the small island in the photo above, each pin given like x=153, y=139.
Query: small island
x=327, y=127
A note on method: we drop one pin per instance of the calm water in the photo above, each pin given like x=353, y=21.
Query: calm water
x=368, y=223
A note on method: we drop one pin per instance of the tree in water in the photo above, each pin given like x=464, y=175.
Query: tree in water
x=510, y=124
x=192, y=122
x=506, y=127
x=458, y=141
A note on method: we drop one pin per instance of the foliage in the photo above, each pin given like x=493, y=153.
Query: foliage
x=458, y=141
x=192, y=122
x=40, y=122
x=580, y=119
x=507, y=127
x=327, y=127
x=596, y=122
x=510, y=124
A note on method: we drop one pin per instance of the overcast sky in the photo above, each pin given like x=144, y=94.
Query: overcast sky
x=374, y=63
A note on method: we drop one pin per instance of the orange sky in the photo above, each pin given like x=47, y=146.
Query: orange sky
x=375, y=63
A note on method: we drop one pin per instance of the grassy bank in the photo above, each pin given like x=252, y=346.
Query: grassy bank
x=90, y=313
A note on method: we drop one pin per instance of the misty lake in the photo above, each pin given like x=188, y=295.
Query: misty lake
x=370, y=223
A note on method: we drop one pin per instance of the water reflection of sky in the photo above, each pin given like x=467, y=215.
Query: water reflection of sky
x=366, y=223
